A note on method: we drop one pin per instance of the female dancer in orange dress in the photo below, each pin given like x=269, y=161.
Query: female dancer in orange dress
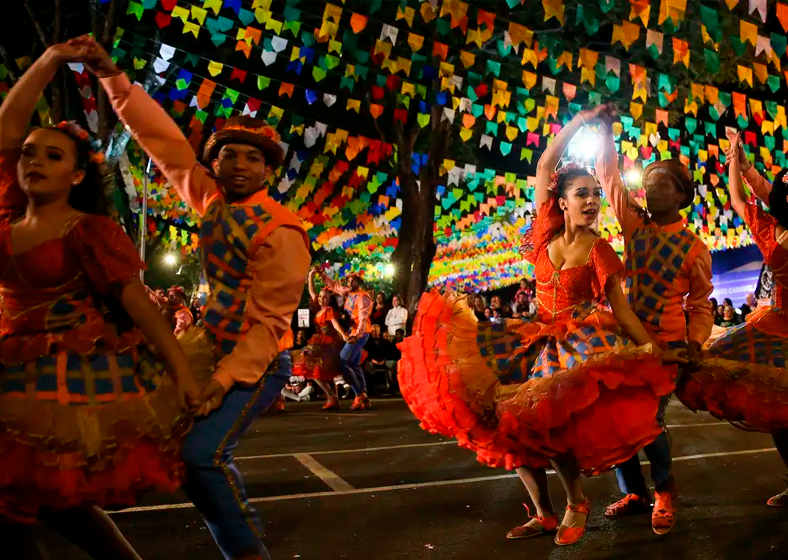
x=742, y=376
x=569, y=389
x=319, y=359
x=88, y=417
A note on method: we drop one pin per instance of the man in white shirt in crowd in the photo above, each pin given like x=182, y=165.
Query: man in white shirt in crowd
x=522, y=308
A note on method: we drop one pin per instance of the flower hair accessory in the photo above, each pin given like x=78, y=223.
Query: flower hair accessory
x=563, y=170
x=79, y=134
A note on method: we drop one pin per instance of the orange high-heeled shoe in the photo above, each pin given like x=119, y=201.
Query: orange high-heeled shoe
x=548, y=525
x=331, y=404
x=570, y=535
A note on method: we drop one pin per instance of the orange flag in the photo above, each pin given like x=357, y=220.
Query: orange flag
x=681, y=52
x=782, y=16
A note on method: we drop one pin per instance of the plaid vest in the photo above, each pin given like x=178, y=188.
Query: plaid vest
x=229, y=235
x=654, y=259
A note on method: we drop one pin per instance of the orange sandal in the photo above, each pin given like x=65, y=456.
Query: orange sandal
x=780, y=500
x=631, y=504
x=570, y=535
x=548, y=525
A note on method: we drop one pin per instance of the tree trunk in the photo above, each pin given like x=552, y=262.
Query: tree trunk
x=416, y=243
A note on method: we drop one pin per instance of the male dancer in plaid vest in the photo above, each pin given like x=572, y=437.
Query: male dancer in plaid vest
x=665, y=263
x=256, y=258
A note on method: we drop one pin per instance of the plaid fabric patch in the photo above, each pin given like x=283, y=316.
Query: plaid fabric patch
x=74, y=379
x=225, y=236
x=744, y=343
x=514, y=364
x=653, y=261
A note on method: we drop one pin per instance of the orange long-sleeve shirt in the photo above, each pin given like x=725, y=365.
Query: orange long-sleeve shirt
x=759, y=186
x=662, y=310
x=278, y=265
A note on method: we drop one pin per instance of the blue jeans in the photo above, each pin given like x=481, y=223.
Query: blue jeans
x=350, y=358
x=214, y=483
x=630, y=477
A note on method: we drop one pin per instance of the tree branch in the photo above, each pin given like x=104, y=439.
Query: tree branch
x=42, y=36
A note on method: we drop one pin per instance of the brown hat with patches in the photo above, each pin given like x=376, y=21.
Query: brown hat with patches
x=677, y=171
x=249, y=131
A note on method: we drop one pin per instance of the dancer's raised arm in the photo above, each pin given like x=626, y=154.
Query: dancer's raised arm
x=760, y=187
x=736, y=187
x=18, y=106
x=552, y=154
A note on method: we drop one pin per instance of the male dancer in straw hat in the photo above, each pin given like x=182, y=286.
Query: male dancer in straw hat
x=256, y=259
x=665, y=262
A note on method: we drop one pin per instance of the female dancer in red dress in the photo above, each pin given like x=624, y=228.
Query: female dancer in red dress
x=742, y=376
x=88, y=417
x=569, y=389
x=319, y=359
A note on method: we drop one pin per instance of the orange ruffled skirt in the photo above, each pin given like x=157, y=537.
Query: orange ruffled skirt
x=523, y=393
x=742, y=377
x=56, y=453
x=319, y=359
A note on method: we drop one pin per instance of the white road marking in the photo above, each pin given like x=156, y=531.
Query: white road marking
x=328, y=476
x=416, y=445
x=357, y=450
x=416, y=485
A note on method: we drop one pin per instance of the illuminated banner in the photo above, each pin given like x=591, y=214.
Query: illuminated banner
x=735, y=285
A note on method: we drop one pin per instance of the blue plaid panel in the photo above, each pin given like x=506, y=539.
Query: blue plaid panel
x=744, y=343
x=653, y=262
x=225, y=236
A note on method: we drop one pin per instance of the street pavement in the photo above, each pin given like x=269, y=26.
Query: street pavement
x=373, y=485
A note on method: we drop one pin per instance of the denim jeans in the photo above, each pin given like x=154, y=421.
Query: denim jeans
x=214, y=483
x=350, y=358
x=630, y=477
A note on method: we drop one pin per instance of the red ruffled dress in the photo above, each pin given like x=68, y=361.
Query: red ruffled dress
x=521, y=393
x=319, y=359
x=87, y=415
x=742, y=377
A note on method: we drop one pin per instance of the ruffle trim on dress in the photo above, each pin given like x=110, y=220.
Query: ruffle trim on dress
x=20, y=349
x=751, y=396
x=601, y=411
x=58, y=456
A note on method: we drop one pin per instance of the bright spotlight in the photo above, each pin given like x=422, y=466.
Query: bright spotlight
x=389, y=270
x=170, y=259
x=584, y=145
x=632, y=177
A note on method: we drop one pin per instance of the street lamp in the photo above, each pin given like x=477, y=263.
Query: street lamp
x=170, y=259
x=389, y=270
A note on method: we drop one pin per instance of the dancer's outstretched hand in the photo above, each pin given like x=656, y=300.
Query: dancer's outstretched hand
x=734, y=150
x=95, y=57
x=66, y=52
x=209, y=399
x=674, y=356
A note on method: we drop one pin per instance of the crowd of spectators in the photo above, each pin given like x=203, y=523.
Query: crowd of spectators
x=389, y=320
x=726, y=315
x=522, y=306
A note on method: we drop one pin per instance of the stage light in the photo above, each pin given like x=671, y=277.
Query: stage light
x=632, y=177
x=584, y=145
x=170, y=259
